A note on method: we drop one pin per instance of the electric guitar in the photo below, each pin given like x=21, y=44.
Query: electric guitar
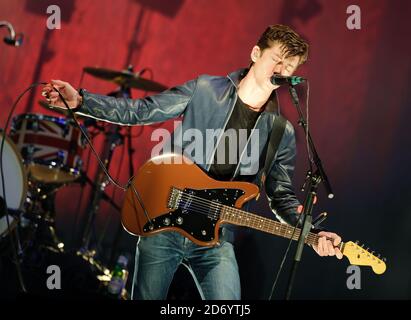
x=170, y=192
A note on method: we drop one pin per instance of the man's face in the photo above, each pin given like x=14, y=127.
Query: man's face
x=272, y=61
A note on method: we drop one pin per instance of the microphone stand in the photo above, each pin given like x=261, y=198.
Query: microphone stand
x=313, y=179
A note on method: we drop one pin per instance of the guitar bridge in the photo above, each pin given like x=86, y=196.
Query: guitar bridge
x=174, y=198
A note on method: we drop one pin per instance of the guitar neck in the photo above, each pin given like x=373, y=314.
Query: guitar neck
x=247, y=219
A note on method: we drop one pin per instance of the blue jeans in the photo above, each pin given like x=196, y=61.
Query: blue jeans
x=214, y=269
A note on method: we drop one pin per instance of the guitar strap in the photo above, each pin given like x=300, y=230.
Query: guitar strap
x=275, y=138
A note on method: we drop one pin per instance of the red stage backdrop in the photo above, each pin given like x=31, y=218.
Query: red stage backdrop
x=359, y=108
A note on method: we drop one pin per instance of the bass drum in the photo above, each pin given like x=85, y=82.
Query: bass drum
x=15, y=184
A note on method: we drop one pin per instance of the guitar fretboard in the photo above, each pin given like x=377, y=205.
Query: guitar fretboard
x=242, y=218
x=247, y=219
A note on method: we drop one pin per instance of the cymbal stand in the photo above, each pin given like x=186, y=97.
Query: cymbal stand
x=124, y=92
x=112, y=140
x=40, y=211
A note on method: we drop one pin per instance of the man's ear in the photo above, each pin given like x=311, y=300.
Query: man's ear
x=255, y=53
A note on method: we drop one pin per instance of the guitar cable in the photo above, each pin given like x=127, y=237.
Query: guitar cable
x=100, y=162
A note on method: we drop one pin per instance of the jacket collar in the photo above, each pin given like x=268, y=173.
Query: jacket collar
x=272, y=104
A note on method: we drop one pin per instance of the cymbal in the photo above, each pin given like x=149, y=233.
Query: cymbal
x=125, y=78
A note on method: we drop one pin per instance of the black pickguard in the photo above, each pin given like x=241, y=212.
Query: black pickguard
x=197, y=221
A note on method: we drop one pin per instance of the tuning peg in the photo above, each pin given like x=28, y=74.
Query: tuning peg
x=383, y=259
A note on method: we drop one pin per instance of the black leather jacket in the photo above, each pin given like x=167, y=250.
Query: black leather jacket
x=206, y=103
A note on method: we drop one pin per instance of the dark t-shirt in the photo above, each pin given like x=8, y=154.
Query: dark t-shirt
x=242, y=117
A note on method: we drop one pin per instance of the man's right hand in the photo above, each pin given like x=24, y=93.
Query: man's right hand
x=70, y=94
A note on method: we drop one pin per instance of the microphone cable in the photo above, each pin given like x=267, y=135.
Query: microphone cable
x=100, y=162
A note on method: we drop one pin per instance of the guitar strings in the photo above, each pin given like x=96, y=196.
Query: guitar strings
x=196, y=202
x=196, y=205
x=265, y=224
x=261, y=220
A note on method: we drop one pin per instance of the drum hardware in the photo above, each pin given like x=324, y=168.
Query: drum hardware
x=15, y=178
x=112, y=140
x=126, y=79
x=13, y=192
x=32, y=181
x=104, y=196
x=8, y=219
x=40, y=211
x=50, y=150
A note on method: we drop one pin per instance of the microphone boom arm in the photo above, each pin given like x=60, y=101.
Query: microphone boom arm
x=12, y=39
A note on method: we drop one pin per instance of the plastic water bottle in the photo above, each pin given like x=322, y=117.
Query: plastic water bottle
x=118, y=277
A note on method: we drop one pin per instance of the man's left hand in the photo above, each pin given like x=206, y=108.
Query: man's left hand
x=327, y=245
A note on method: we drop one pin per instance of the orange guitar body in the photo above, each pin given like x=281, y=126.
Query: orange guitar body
x=153, y=184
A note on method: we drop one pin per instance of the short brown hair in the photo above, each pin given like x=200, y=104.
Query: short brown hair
x=293, y=44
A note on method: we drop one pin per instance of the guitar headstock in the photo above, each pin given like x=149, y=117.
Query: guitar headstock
x=359, y=256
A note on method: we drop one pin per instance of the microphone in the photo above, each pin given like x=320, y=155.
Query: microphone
x=16, y=41
x=280, y=80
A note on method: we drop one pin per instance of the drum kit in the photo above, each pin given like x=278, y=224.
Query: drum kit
x=41, y=154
